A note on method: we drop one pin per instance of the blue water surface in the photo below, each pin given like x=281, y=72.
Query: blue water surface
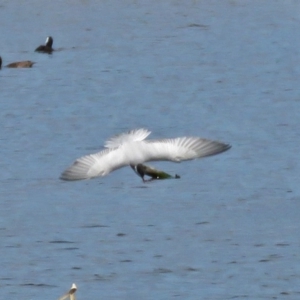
x=222, y=69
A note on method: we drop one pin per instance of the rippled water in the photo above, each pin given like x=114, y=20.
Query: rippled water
x=225, y=70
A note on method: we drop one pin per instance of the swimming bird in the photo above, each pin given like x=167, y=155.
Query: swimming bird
x=19, y=64
x=70, y=293
x=131, y=149
x=47, y=48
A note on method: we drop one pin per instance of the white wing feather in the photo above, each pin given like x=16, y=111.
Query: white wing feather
x=95, y=165
x=183, y=148
x=130, y=136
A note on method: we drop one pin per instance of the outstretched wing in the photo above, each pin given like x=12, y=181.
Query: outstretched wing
x=183, y=148
x=130, y=136
x=95, y=165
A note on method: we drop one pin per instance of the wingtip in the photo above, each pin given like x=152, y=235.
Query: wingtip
x=227, y=147
x=224, y=147
x=64, y=176
x=70, y=175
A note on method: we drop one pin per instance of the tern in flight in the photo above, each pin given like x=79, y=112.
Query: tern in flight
x=132, y=149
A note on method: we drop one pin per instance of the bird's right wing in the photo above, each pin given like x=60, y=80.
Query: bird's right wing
x=95, y=165
x=183, y=148
x=134, y=135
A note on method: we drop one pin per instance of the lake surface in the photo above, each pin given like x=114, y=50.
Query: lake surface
x=224, y=70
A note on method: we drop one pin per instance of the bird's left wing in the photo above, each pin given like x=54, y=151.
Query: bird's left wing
x=183, y=148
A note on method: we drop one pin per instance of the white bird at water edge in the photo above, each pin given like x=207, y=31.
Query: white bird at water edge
x=70, y=294
x=132, y=148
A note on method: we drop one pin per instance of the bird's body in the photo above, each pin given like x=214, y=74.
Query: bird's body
x=131, y=149
x=142, y=170
x=47, y=48
x=18, y=64
x=21, y=64
x=70, y=294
